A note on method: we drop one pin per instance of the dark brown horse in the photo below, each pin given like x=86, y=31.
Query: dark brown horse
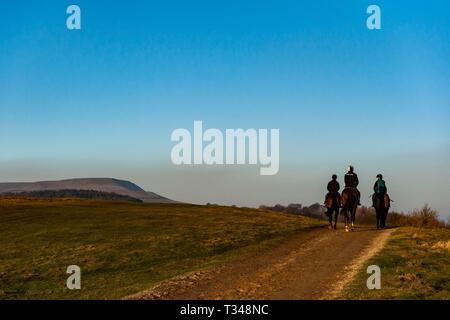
x=381, y=203
x=333, y=203
x=349, y=201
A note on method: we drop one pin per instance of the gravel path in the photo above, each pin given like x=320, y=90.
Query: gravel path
x=314, y=264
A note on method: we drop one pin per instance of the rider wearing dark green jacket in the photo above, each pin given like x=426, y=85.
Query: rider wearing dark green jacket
x=379, y=188
x=380, y=185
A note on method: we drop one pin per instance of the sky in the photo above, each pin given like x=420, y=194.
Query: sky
x=103, y=101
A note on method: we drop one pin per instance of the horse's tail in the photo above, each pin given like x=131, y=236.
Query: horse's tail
x=345, y=197
x=387, y=201
x=348, y=196
x=329, y=201
x=332, y=200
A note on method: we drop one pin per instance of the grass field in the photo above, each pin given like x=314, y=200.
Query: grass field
x=415, y=264
x=121, y=247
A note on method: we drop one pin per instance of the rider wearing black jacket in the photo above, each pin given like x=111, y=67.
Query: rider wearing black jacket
x=333, y=186
x=352, y=181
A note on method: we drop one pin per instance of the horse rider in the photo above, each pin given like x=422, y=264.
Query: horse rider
x=351, y=181
x=333, y=199
x=333, y=188
x=379, y=188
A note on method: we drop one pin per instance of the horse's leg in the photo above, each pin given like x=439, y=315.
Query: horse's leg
x=347, y=221
x=381, y=217
x=346, y=218
x=353, y=216
x=385, y=216
x=330, y=217
x=383, y=221
x=377, y=214
x=336, y=215
x=378, y=219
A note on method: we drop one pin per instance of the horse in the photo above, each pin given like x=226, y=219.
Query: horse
x=381, y=203
x=349, y=202
x=333, y=203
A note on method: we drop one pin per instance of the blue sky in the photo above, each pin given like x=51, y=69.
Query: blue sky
x=104, y=100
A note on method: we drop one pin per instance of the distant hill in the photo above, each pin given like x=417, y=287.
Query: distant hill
x=107, y=185
x=67, y=193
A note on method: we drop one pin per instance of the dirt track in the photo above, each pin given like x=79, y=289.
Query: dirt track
x=313, y=264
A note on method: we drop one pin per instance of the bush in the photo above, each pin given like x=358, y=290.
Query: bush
x=425, y=218
x=366, y=215
x=314, y=211
x=422, y=218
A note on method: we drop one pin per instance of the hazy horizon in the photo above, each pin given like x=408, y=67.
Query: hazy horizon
x=212, y=184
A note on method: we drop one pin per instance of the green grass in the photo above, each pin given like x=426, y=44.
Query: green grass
x=122, y=248
x=415, y=264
